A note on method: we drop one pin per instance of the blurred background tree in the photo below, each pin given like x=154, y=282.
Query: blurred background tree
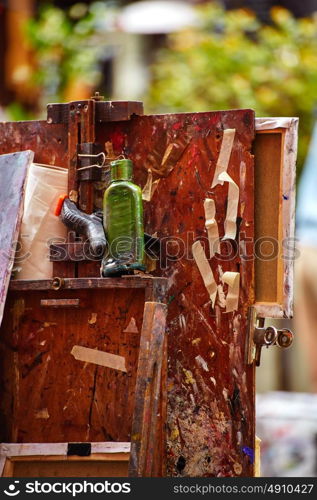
x=71, y=48
x=233, y=61
x=63, y=50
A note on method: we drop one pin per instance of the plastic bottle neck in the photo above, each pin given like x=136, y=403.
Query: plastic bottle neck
x=121, y=170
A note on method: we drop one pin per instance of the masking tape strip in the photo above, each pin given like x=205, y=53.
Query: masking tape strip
x=100, y=358
x=211, y=226
x=222, y=176
x=232, y=207
x=150, y=187
x=205, y=270
x=233, y=282
x=224, y=155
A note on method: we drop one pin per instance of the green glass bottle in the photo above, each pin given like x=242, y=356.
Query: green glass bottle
x=123, y=222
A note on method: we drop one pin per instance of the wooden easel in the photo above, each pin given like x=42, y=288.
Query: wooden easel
x=210, y=396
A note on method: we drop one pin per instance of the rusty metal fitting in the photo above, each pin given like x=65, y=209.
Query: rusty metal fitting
x=58, y=283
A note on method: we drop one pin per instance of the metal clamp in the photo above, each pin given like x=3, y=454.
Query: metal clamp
x=258, y=336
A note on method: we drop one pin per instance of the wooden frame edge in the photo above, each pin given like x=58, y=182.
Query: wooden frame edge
x=52, y=451
x=288, y=127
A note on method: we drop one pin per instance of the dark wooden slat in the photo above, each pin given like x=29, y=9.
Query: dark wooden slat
x=58, y=397
x=75, y=252
x=83, y=283
x=106, y=111
x=61, y=303
x=145, y=438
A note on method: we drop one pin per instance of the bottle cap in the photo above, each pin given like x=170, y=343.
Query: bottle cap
x=121, y=170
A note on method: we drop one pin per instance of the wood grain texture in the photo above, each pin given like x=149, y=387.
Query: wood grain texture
x=146, y=434
x=82, y=402
x=155, y=287
x=13, y=172
x=210, y=425
x=210, y=428
x=268, y=152
x=275, y=150
x=54, y=467
x=48, y=141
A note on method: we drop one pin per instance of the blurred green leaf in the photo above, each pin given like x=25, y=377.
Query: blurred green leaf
x=232, y=61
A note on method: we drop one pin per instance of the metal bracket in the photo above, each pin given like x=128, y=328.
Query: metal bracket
x=105, y=111
x=258, y=336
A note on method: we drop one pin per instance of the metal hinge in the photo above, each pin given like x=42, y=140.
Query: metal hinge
x=259, y=336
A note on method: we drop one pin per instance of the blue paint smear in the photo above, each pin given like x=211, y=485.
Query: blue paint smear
x=249, y=452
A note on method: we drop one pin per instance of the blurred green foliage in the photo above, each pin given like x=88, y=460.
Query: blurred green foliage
x=69, y=44
x=232, y=61
x=229, y=60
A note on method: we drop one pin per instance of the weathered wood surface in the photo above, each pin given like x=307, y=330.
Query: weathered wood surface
x=210, y=390
x=13, y=172
x=46, y=394
x=48, y=141
x=155, y=287
x=275, y=150
x=146, y=434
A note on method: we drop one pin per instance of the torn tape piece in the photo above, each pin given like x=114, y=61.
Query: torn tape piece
x=224, y=155
x=150, y=187
x=221, y=296
x=205, y=270
x=232, y=207
x=212, y=226
x=233, y=282
x=100, y=358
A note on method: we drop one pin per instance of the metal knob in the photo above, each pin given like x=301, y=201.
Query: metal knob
x=265, y=337
x=57, y=283
x=257, y=336
x=284, y=338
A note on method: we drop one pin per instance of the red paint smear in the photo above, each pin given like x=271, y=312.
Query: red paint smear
x=117, y=139
x=194, y=152
x=176, y=126
x=213, y=120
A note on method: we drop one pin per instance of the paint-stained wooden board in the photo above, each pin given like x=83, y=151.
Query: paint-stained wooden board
x=210, y=391
x=48, y=395
x=58, y=460
x=13, y=172
x=66, y=468
x=210, y=428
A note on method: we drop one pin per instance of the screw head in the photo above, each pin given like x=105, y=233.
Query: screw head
x=97, y=97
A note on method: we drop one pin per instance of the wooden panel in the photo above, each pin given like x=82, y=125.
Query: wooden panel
x=55, y=467
x=47, y=395
x=275, y=150
x=48, y=141
x=146, y=434
x=13, y=171
x=58, y=459
x=210, y=426
x=268, y=152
